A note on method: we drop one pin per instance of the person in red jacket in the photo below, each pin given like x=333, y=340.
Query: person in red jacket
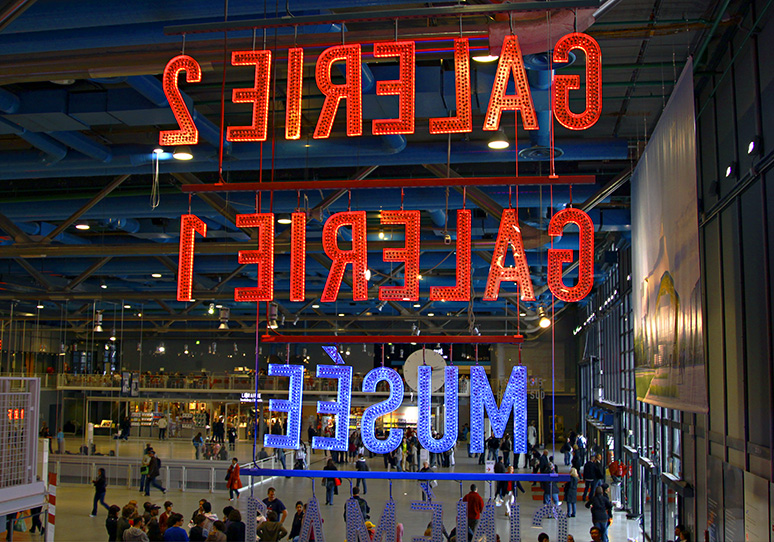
x=233, y=480
x=475, y=507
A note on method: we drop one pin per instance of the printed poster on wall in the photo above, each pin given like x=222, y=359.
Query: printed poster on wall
x=666, y=288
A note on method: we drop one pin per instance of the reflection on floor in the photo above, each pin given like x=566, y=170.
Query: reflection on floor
x=74, y=501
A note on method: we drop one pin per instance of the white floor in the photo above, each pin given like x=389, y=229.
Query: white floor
x=74, y=501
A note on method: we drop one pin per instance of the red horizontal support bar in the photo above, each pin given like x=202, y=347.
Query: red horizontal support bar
x=398, y=339
x=387, y=183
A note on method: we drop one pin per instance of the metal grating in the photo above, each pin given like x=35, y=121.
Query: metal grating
x=18, y=431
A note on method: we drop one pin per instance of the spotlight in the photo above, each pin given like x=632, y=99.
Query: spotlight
x=272, y=315
x=295, y=320
x=185, y=349
x=367, y=274
x=381, y=305
x=381, y=234
x=731, y=169
x=224, y=315
x=365, y=350
x=211, y=309
x=476, y=331
x=98, y=323
x=113, y=335
x=754, y=147
x=282, y=320
x=349, y=351
x=544, y=321
x=158, y=150
x=392, y=349
x=499, y=141
x=182, y=152
x=160, y=349
x=103, y=285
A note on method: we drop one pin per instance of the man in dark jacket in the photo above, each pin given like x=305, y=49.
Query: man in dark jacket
x=601, y=511
x=364, y=508
x=154, y=467
x=589, y=475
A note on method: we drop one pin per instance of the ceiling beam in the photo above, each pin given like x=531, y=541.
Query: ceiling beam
x=115, y=183
x=12, y=10
x=34, y=273
x=7, y=225
x=213, y=200
x=87, y=273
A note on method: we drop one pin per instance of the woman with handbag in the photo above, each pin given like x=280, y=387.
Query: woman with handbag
x=330, y=483
x=233, y=480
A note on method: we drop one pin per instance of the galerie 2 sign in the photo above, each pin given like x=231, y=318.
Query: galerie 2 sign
x=481, y=400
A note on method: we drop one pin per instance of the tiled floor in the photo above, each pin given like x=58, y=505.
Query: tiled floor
x=74, y=501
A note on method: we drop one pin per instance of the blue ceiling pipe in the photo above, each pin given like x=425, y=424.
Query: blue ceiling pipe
x=365, y=151
x=50, y=15
x=175, y=205
x=54, y=151
x=84, y=145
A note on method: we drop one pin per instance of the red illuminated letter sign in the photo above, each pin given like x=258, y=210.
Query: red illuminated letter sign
x=187, y=134
x=509, y=234
x=463, y=121
x=293, y=103
x=258, y=95
x=557, y=257
x=189, y=226
x=410, y=254
x=461, y=290
x=297, y=256
x=403, y=87
x=564, y=83
x=357, y=256
x=351, y=90
x=264, y=257
x=510, y=62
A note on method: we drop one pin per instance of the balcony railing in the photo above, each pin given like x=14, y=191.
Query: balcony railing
x=219, y=383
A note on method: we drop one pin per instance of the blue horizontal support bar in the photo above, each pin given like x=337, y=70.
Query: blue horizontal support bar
x=378, y=475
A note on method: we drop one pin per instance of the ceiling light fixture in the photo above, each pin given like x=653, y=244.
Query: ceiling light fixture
x=185, y=349
x=544, y=321
x=156, y=275
x=499, y=141
x=103, y=285
x=295, y=320
x=182, y=152
x=381, y=234
x=381, y=305
x=98, y=323
x=316, y=306
x=367, y=274
x=40, y=305
x=127, y=306
x=272, y=314
x=82, y=226
x=485, y=58
x=224, y=315
x=284, y=220
x=158, y=150
x=211, y=309
x=160, y=349
x=113, y=335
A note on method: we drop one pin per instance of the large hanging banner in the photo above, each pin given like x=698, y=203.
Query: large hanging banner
x=666, y=290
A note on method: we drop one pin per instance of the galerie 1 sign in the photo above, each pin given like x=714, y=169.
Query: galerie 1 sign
x=481, y=400
x=509, y=235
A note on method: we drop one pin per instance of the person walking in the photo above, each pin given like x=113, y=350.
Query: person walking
x=512, y=488
x=234, y=482
x=589, y=475
x=100, y=488
x=571, y=493
x=361, y=466
x=601, y=511
x=162, y=424
x=329, y=483
x=144, y=467
x=365, y=510
x=198, y=442
x=60, y=441
x=475, y=507
x=154, y=469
